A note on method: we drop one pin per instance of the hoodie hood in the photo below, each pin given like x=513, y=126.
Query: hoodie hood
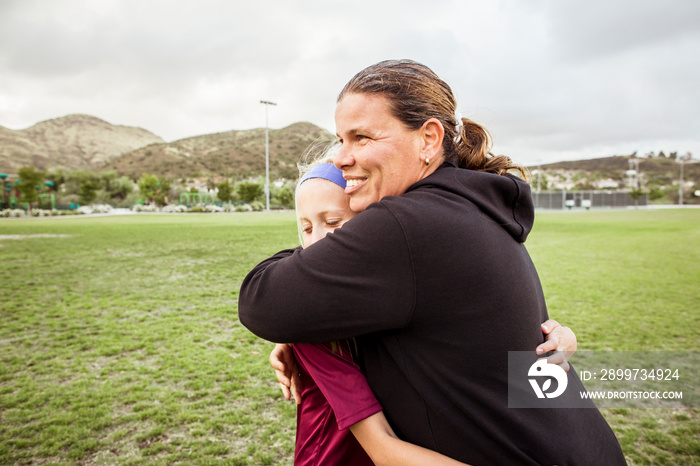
x=504, y=198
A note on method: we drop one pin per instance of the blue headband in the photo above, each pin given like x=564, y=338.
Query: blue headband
x=327, y=171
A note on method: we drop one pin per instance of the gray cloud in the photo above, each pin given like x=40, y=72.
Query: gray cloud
x=551, y=80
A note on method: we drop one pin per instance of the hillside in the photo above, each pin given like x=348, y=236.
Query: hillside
x=232, y=154
x=83, y=142
x=655, y=173
x=70, y=142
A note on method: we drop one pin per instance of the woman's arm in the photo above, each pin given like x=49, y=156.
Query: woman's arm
x=384, y=448
x=358, y=280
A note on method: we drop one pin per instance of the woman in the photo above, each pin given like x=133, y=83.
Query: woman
x=431, y=278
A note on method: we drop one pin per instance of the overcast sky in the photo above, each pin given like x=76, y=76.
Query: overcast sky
x=552, y=80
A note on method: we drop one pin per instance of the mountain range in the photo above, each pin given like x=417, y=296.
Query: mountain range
x=71, y=142
x=231, y=154
x=84, y=142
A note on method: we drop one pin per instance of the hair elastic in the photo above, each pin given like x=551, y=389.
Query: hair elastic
x=458, y=127
x=327, y=171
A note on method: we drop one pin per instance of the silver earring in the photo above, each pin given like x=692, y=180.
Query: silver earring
x=427, y=161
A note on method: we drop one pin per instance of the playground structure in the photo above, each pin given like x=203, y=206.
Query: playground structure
x=192, y=199
x=10, y=193
x=50, y=197
x=12, y=198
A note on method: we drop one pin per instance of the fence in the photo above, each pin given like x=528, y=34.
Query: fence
x=586, y=199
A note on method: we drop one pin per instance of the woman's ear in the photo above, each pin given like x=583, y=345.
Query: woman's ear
x=432, y=134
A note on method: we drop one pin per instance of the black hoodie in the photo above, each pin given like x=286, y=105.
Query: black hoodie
x=437, y=287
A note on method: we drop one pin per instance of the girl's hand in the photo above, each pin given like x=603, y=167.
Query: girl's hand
x=559, y=339
x=282, y=360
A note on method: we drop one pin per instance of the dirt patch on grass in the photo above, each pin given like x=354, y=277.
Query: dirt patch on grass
x=40, y=235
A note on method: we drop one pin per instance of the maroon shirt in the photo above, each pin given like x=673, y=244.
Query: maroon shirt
x=334, y=396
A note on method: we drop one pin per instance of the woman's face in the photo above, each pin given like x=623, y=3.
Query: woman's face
x=322, y=206
x=378, y=155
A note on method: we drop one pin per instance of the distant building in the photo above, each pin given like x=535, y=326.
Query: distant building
x=606, y=184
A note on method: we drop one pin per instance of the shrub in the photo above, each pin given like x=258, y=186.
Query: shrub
x=11, y=213
x=101, y=208
x=144, y=208
x=212, y=208
x=244, y=208
x=174, y=209
x=39, y=213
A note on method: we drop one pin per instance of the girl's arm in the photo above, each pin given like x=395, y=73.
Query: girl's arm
x=384, y=448
x=560, y=339
x=285, y=365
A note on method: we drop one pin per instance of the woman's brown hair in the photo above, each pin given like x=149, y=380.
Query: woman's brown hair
x=417, y=94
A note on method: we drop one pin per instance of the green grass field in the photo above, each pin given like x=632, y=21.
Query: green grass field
x=120, y=343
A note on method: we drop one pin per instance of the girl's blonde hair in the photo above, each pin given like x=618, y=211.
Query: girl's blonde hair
x=320, y=151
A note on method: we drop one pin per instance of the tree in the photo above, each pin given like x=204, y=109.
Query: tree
x=148, y=186
x=163, y=192
x=107, y=179
x=121, y=188
x=154, y=189
x=30, y=178
x=636, y=194
x=88, y=185
x=655, y=193
x=58, y=178
x=285, y=196
x=250, y=191
x=114, y=186
x=225, y=191
x=83, y=185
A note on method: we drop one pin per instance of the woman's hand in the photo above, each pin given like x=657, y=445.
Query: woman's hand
x=282, y=360
x=560, y=339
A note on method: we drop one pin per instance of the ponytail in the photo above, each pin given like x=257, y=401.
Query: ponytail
x=472, y=148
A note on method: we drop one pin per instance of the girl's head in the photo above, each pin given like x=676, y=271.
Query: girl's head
x=396, y=116
x=321, y=202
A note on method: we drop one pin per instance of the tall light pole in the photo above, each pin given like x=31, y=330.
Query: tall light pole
x=267, y=156
x=680, y=189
